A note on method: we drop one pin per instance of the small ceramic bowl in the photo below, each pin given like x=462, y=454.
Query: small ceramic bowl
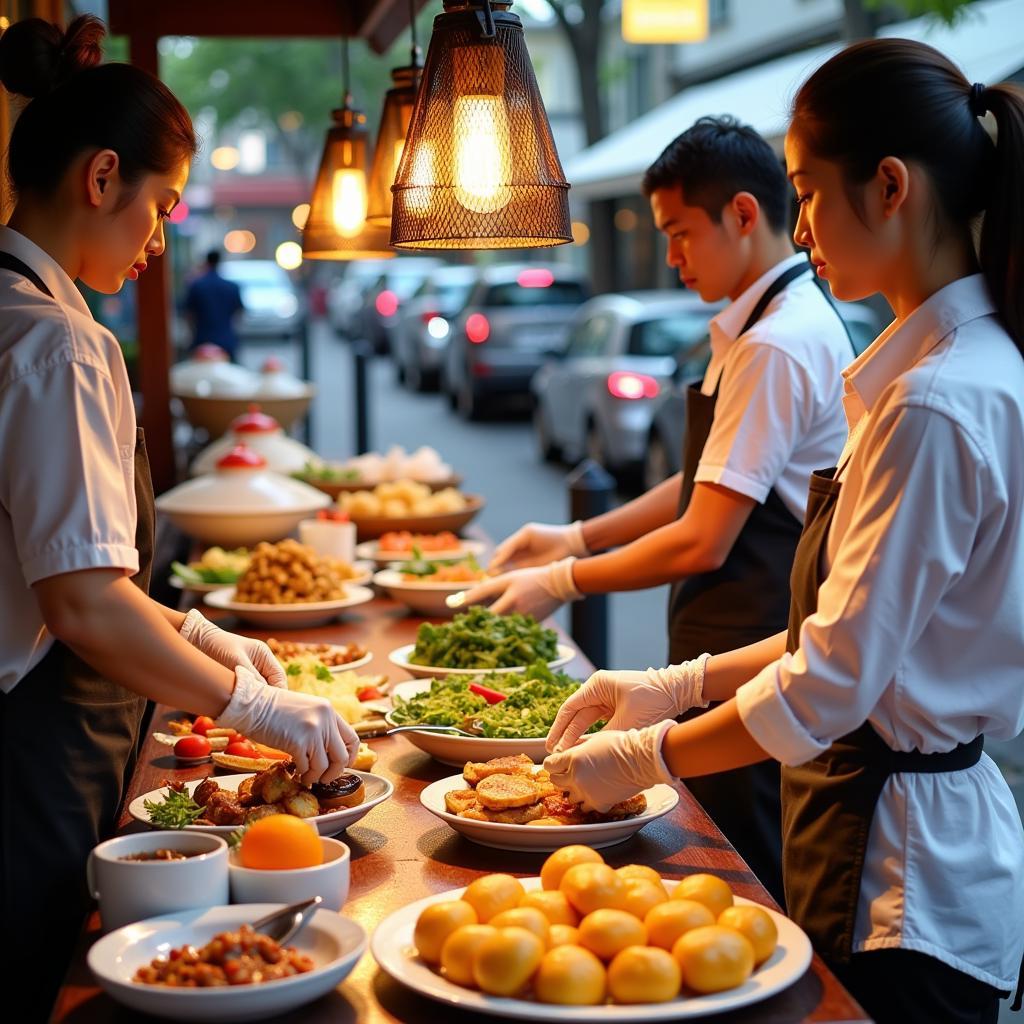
x=328, y=880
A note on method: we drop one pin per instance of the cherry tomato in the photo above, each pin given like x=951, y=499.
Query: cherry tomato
x=332, y=515
x=192, y=746
x=369, y=693
x=201, y=724
x=241, y=748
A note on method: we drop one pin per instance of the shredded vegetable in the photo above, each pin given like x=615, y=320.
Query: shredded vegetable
x=480, y=639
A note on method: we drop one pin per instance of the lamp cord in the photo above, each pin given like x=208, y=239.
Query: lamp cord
x=345, y=79
x=415, y=58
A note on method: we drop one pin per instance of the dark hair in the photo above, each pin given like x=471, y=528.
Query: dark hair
x=895, y=97
x=213, y=257
x=77, y=104
x=716, y=158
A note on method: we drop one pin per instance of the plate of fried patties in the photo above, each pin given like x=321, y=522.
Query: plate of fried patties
x=510, y=803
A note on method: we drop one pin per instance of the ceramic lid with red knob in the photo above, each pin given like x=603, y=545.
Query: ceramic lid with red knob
x=241, y=457
x=263, y=434
x=255, y=421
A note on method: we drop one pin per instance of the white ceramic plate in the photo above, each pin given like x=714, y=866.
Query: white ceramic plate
x=394, y=950
x=423, y=596
x=457, y=750
x=661, y=799
x=335, y=944
x=288, y=616
x=370, y=550
x=330, y=824
x=400, y=657
x=348, y=666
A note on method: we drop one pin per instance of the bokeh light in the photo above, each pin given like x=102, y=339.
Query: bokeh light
x=288, y=255
x=239, y=241
x=225, y=158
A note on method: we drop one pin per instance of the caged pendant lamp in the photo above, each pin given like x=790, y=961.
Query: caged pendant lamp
x=336, y=228
x=399, y=101
x=480, y=169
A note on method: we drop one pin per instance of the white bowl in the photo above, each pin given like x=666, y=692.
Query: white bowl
x=299, y=615
x=237, y=528
x=329, y=880
x=370, y=549
x=335, y=944
x=400, y=657
x=421, y=596
x=214, y=413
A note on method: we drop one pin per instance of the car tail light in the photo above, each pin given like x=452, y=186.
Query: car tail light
x=427, y=317
x=535, y=278
x=386, y=303
x=623, y=384
x=478, y=328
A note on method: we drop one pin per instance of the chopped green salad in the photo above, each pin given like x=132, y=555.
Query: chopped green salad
x=532, y=700
x=480, y=639
x=215, y=566
x=326, y=473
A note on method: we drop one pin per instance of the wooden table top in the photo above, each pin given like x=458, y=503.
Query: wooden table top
x=401, y=852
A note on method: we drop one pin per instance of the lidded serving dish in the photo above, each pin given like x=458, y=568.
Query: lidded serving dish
x=264, y=435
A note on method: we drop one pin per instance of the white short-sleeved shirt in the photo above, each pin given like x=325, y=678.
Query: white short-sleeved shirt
x=67, y=449
x=920, y=630
x=779, y=412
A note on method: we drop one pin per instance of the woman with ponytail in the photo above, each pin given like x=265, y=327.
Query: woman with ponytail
x=903, y=849
x=97, y=160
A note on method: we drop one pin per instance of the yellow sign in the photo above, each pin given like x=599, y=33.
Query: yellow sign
x=664, y=21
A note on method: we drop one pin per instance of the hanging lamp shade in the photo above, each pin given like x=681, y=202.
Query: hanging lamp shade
x=336, y=228
x=480, y=169
x=399, y=101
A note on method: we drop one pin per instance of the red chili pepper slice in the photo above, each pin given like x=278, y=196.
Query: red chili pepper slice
x=491, y=696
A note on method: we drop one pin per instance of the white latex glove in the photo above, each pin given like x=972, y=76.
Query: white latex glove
x=539, y=544
x=232, y=650
x=611, y=766
x=321, y=742
x=629, y=700
x=537, y=591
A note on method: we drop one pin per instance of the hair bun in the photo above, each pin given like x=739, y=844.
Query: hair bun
x=36, y=57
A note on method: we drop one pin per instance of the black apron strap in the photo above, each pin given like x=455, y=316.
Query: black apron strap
x=9, y=262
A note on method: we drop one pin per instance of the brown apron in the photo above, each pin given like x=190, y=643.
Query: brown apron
x=744, y=601
x=828, y=804
x=68, y=740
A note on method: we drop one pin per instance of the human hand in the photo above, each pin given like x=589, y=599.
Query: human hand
x=537, y=591
x=322, y=744
x=629, y=700
x=611, y=766
x=231, y=650
x=539, y=544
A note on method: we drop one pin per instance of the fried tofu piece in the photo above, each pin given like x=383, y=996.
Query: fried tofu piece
x=515, y=764
x=458, y=800
x=302, y=804
x=626, y=809
x=275, y=784
x=500, y=792
x=515, y=815
x=263, y=811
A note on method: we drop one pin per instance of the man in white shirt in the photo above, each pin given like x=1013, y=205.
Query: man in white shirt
x=767, y=414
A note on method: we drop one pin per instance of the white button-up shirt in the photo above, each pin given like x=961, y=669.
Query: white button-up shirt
x=778, y=416
x=920, y=630
x=67, y=449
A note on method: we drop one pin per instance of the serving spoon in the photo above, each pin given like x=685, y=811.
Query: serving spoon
x=452, y=730
x=284, y=924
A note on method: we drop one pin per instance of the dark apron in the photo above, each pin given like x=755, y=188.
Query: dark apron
x=828, y=804
x=744, y=601
x=68, y=739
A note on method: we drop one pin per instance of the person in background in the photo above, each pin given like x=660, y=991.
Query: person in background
x=904, y=850
x=212, y=304
x=768, y=412
x=97, y=160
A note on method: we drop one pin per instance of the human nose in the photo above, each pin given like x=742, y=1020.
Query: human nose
x=155, y=245
x=802, y=232
x=673, y=257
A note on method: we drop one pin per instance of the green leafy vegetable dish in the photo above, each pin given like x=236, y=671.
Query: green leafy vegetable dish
x=215, y=566
x=532, y=700
x=176, y=811
x=482, y=640
x=327, y=473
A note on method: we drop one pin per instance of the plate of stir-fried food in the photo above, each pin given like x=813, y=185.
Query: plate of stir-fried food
x=510, y=803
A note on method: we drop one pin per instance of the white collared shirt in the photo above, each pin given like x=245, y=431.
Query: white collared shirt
x=67, y=449
x=778, y=416
x=920, y=630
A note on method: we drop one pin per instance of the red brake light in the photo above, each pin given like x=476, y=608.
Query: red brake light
x=478, y=330
x=427, y=317
x=623, y=384
x=535, y=278
x=386, y=303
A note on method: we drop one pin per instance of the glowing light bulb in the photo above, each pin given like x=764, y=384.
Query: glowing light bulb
x=418, y=196
x=482, y=153
x=348, y=201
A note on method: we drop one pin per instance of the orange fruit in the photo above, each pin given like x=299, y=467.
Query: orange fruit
x=552, y=904
x=710, y=890
x=570, y=976
x=667, y=921
x=563, y=935
x=606, y=932
x=590, y=887
x=642, y=895
x=458, y=952
x=530, y=918
x=561, y=860
x=505, y=962
x=644, y=974
x=281, y=842
x=492, y=894
x=640, y=871
x=757, y=925
x=436, y=923
x=714, y=958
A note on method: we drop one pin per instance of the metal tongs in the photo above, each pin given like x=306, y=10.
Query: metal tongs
x=286, y=923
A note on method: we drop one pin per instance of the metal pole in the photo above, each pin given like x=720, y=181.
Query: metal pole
x=590, y=491
x=362, y=353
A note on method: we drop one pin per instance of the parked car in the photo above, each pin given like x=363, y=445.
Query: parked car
x=383, y=300
x=664, y=449
x=623, y=350
x=515, y=316
x=424, y=325
x=345, y=295
x=273, y=305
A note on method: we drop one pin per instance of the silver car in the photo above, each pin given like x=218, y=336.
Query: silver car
x=383, y=300
x=273, y=306
x=345, y=295
x=623, y=351
x=425, y=325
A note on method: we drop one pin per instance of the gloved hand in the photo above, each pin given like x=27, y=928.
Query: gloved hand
x=629, y=700
x=611, y=766
x=321, y=742
x=232, y=650
x=539, y=544
x=537, y=591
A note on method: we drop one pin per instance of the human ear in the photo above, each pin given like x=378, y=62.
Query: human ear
x=892, y=180
x=747, y=211
x=101, y=172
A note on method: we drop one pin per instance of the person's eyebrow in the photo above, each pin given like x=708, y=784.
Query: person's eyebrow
x=665, y=225
x=794, y=173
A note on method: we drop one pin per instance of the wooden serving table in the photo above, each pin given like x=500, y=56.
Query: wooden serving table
x=401, y=853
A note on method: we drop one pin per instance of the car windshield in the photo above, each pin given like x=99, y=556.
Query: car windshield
x=557, y=293
x=668, y=335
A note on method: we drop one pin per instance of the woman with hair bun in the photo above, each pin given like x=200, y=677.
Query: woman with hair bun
x=97, y=160
x=903, y=849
